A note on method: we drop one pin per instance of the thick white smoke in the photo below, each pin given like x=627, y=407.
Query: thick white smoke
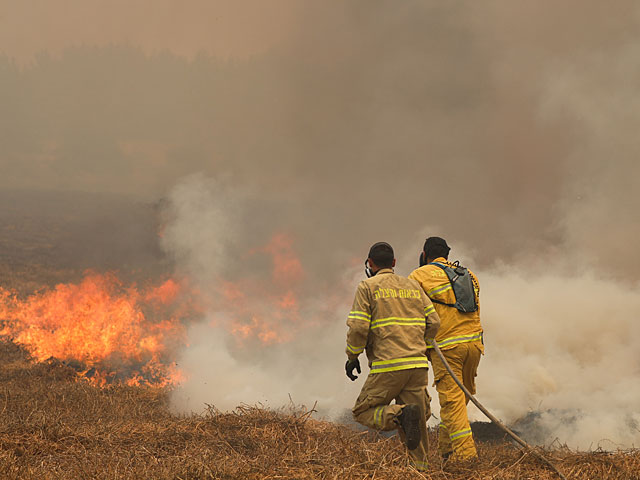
x=224, y=370
x=560, y=339
x=563, y=346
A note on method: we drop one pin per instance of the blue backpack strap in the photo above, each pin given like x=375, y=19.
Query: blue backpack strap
x=438, y=264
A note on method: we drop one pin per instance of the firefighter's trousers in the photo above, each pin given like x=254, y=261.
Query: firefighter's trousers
x=454, y=432
x=372, y=407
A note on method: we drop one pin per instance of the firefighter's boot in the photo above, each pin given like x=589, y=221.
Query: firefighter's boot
x=409, y=420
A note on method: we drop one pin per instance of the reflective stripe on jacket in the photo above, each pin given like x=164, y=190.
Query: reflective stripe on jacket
x=391, y=319
x=455, y=327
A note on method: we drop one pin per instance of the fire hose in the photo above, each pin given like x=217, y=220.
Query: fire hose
x=490, y=416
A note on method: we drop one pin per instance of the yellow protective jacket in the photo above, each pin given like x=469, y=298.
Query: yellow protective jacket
x=455, y=327
x=391, y=318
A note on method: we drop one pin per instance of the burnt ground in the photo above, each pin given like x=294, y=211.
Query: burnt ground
x=487, y=432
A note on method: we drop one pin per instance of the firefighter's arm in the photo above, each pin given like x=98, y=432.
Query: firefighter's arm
x=431, y=317
x=421, y=278
x=358, y=321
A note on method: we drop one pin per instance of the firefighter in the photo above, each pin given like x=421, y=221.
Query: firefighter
x=460, y=339
x=391, y=319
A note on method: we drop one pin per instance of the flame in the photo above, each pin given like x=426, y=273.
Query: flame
x=265, y=311
x=113, y=330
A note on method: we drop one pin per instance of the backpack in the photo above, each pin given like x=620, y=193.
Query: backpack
x=462, y=285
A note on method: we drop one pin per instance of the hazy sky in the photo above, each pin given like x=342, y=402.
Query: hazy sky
x=225, y=28
x=503, y=122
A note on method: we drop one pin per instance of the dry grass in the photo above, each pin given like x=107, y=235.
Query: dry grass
x=54, y=427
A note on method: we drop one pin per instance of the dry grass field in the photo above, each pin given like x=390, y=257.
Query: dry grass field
x=56, y=425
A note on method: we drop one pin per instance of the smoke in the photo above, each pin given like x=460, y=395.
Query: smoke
x=508, y=129
x=222, y=27
x=265, y=337
x=521, y=142
x=560, y=340
x=562, y=346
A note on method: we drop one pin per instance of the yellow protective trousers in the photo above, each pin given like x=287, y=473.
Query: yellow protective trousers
x=454, y=432
x=408, y=386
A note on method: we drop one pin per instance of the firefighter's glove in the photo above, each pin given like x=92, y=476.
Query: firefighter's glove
x=350, y=365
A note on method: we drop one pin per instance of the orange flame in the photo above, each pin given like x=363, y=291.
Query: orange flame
x=112, y=332
x=102, y=324
x=278, y=317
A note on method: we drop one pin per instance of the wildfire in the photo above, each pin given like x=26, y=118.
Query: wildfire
x=267, y=311
x=109, y=330
x=112, y=332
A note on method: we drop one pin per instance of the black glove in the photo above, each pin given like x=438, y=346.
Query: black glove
x=350, y=365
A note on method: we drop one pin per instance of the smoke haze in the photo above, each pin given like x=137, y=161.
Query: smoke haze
x=509, y=129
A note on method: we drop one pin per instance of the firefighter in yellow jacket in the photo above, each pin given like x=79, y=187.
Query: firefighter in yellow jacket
x=391, y=319
x=460, y=339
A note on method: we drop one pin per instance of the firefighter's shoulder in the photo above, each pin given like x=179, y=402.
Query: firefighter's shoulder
x=427, y=271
